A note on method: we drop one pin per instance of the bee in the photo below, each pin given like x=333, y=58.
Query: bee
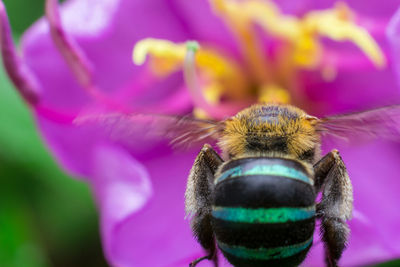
x=256, y=202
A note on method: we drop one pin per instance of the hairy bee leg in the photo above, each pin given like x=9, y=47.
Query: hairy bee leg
x=336, y=204
x=201, y=227
x=198, y=200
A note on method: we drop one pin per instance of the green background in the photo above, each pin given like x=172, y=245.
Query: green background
x=46, y=218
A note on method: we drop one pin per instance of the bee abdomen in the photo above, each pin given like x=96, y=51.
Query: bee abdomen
x=263, y=212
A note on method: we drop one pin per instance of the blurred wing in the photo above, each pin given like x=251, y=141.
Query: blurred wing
x=371, y=124
x=181, y=131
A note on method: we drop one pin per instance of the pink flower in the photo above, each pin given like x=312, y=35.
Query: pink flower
x=84, y=63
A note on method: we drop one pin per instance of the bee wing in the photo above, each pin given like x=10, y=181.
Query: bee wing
x=381, y=122
x=179, y=130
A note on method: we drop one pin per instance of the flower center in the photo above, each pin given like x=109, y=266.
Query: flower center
x=264, y=77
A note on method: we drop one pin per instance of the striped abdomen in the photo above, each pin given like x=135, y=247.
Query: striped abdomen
x=263, y=212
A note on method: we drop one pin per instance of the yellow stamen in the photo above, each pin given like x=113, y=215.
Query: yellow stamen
x=268, y=16
x=211, y=62
x=273, y=94
x=166, y=57
x=211, y=75
x=337, y=24
x=307, y=52
x=240, y=24
x=157, y=48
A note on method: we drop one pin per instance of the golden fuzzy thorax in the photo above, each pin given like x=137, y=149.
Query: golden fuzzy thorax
x=271, y=130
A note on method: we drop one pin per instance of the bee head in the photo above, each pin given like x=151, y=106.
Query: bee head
x=272, y=128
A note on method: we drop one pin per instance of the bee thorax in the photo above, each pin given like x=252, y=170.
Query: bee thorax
x=271, y=129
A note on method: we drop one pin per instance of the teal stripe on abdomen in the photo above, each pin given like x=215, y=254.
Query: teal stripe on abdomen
x=263, y=215
x=265, y=253
x=273, y=170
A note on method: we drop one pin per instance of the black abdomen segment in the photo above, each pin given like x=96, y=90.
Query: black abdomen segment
x=263, y=212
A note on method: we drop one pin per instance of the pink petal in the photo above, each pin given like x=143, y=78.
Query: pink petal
x=350, y=91
x=110, y=23
x=156, y=234
x=202, y=24
x=122, y=187
x=393, y=34
x=159, y=228
x=106, y=23
x=374, y=235
x=72, y=146
x=358, y=84
x=142, y=222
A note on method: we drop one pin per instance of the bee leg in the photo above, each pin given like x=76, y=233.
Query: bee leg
x=198, y=200
x=207, y=257
x=336, y=204
x=202, y=230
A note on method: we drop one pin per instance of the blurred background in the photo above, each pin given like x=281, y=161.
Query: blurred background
x=46, y=218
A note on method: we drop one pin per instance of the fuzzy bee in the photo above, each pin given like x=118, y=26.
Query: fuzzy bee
x=257, y=202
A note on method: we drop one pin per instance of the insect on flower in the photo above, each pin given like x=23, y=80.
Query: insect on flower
x=241, y=69
x=257, y=202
